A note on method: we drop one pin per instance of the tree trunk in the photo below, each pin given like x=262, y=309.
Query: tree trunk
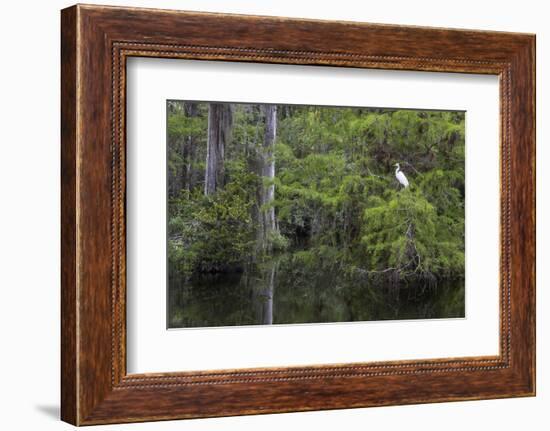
x=175, y=146
x=267, y=223
x=190, y=150
x=268, y=300
x=219, y=133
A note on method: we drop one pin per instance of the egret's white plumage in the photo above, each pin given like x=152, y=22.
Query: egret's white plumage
x=401, y=176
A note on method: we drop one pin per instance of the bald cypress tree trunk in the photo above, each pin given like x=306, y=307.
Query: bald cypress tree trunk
x=220, y=121
x=268, y=300
x=189, y=150
x=267, y=223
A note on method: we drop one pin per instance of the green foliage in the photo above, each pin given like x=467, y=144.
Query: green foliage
x=212, y=233
x=337, y=202
x=278, y=242
x=403, y=234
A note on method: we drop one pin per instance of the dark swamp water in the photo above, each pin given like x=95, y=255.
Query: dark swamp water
x=276, y=294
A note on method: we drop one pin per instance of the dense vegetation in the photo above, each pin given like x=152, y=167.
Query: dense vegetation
x=315, y=187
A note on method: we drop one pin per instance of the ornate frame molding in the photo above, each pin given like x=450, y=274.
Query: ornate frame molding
x=96, y=41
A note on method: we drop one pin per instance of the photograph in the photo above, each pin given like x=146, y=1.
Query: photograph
x=276, y=211
x=293, y=214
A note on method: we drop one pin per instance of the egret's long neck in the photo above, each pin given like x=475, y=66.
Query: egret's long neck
x=397, y=169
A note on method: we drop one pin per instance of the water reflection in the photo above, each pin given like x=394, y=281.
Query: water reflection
x=277, y=294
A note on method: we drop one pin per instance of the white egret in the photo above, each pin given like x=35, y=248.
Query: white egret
x=401, y=176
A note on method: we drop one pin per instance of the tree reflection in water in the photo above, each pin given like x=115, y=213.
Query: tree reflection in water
x=273, y=293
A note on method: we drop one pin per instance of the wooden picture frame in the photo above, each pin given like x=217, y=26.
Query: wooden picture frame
x=95, y=43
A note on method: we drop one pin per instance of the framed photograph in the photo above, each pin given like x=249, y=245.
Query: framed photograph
x=264, y=215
